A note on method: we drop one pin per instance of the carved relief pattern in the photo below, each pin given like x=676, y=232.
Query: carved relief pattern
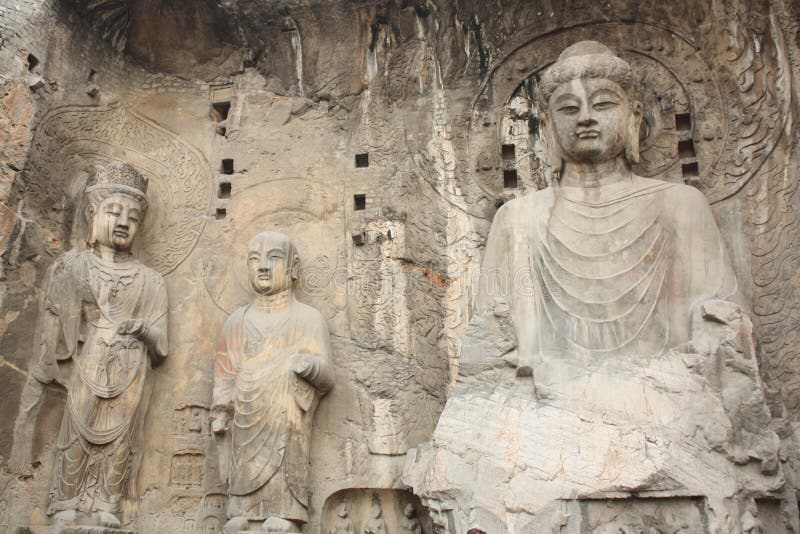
x=180, y=180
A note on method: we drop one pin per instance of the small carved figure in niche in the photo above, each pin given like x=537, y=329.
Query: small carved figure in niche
x=376, y=524
x=410, y=524
x=273, y=365
x=107, y=312
x=342, y=524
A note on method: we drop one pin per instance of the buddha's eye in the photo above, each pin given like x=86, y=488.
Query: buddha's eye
x=604, y=104
x=568, y=110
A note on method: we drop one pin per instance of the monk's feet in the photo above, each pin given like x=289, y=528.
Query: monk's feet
x=64, y=518
x=276, y=525
x=106, y=519
x=235, y=524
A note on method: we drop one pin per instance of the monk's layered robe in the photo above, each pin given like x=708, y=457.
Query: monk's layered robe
x=272, y=407
x=99, y=445
x=600, y=271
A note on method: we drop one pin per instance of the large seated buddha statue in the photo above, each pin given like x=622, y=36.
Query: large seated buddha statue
x=609, y=379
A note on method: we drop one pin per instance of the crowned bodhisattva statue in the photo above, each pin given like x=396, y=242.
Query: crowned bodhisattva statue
x=608, y=355
x=273, y=365
x=108, y=313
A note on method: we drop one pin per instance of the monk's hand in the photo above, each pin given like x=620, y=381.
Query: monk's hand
x=138, y=328
x=219, y=421
x=302, y=365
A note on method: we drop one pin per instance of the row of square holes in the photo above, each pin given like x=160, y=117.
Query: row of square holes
x=683, y=123
x=508, y=151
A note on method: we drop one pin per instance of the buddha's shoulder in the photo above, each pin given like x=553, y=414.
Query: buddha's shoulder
x=685, y=196
x=532, y=200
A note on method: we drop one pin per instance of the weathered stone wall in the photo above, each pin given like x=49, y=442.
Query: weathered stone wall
x=251, y=115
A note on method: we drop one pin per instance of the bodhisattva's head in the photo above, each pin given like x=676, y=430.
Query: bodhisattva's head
x=589, y=114
x=116, y=206
x=272, y=261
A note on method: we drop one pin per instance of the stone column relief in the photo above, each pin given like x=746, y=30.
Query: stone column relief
x=107, y=312
x=610, y=355
x=273, y=365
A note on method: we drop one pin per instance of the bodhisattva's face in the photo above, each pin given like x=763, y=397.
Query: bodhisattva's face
x=116, y=221
x=590, y=118
x=269, y=267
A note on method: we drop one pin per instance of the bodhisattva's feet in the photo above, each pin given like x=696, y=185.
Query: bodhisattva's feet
x=235, y=524
x=65, y=517
x=109, y=520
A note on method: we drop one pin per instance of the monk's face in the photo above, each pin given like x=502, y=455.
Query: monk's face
x=270, y=266
x=116, y=221
x=590, y=118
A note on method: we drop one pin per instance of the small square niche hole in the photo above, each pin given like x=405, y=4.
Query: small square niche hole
x=686, y=149
x=510, y=180
x=221, y=213
x=227, y=166
x=219, y=111
x=509, y=152
x=683, y=122
x=225, y=189
x=359, y=202
x=32, y=62
x=362, y=160
x=690, y=170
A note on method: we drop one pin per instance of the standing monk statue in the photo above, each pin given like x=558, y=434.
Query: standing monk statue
x=273, y=365
x=108, y=313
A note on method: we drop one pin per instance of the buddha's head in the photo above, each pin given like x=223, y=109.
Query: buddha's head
x=116, y=205
x=342, y=510
x=409, y=511
x=272, y=262
x=589, y=114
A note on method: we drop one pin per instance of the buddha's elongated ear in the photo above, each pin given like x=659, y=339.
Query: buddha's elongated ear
x=294, y=266
x=632, y=133
x=552, y=152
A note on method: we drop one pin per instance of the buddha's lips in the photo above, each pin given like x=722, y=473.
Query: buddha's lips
x=587, y=134
x=120, y=233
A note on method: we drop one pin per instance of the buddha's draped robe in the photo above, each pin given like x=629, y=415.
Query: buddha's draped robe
x=610, y=270
x=272, y=407
x=99, y=445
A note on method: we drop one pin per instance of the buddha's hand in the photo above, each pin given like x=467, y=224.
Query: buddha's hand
x=219, y=420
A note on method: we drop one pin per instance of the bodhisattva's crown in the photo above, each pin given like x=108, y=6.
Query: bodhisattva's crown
x=121, y=176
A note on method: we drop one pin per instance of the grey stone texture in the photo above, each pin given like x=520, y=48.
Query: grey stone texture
x=383, y=138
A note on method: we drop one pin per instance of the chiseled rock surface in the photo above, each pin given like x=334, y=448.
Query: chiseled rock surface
x=688, y=423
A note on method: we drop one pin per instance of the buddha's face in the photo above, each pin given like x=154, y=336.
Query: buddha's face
x=591, y=118
x=116, y=221
x=270, y=266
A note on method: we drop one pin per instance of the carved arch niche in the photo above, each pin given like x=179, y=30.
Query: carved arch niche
x=705, y=124
x=71, y=140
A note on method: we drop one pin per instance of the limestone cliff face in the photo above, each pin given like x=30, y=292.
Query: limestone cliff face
x=383, y=136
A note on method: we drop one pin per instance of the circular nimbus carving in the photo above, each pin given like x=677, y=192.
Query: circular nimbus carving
x=691, y=130
x=72, y=139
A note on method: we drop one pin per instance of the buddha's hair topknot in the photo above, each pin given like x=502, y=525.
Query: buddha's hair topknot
x=586, y=59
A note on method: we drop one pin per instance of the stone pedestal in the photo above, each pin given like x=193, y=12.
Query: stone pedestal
x=675, y=438
x=73, y=529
